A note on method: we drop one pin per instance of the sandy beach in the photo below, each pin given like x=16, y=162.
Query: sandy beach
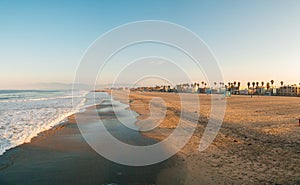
x=258, y=143
x=62, y=156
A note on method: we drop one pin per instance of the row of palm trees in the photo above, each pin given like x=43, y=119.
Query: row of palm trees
x=231, y=85
x=236, y=84
x=204, y=84
x=269, y=84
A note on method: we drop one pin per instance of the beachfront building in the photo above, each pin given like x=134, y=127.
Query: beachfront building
x=220, y=90
x=214, y=91
x=297, y=91
x=234, y=88
x=244, y=92
x=284, y=90
x=289, y=90
x=182, y=88
x=260, y=90
x=274, y=91
x=203, y=89
x=195, y=88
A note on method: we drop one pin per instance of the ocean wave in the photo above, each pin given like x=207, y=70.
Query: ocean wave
x=20, y=121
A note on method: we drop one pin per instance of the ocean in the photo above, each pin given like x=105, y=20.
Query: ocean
x=25, y=113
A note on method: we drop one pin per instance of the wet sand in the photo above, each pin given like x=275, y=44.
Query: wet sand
x=258, y=143
x=61, y=156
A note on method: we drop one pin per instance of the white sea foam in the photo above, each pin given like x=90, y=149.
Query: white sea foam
x=23, y=119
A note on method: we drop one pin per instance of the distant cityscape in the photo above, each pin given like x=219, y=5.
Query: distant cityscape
x=228, y=89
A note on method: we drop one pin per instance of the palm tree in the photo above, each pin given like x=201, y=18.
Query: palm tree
x=228, y=86
x=281, y=83
x=248, y=84
x=268, y=85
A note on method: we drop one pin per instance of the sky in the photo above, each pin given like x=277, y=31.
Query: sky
x=44, y=41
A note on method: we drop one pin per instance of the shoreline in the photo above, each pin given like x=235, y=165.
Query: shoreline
x=61, y=156
x=45, y=133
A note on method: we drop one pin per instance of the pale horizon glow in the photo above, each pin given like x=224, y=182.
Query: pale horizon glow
x=43, y=42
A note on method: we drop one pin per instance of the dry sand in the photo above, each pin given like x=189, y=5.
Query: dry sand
x=258, y=143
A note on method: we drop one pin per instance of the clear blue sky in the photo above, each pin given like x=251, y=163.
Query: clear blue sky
x=43, y=41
